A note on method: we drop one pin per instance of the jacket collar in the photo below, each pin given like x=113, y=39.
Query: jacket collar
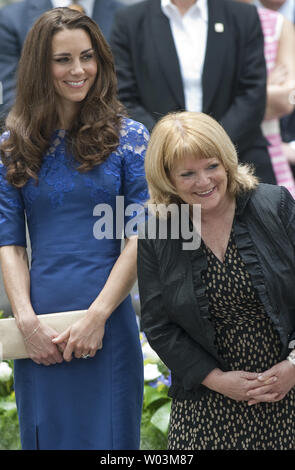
x=242, y=201
x=219, y=37
x=164, y=47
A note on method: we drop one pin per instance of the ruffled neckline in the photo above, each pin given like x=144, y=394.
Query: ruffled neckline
x=250, y=258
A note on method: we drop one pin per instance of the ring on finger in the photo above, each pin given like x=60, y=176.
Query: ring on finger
x=85, y=356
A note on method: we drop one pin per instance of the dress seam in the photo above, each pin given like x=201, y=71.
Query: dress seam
x=35, y=407
x=112, y=385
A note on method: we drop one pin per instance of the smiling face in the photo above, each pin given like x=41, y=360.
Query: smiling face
x=74, y=66
x=201, y=181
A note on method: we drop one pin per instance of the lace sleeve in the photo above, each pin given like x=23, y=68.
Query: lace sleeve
x=134, y=141
x=12, y=217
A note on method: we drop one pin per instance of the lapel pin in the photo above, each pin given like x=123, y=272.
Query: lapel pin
x=219, y=28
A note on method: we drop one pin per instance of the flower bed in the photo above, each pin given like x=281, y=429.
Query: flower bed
x=155, y=413
x=156, y=403
x=9, y=428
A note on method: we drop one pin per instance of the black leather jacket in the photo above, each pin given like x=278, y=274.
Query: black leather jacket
x=175, y=311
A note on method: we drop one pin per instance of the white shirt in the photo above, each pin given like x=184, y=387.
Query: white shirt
x=287, y=9
x=190, y=37
x=88, y=5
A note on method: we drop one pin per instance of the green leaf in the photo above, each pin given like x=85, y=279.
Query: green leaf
x=151, y=395
x=151, y=438
x=161, y=417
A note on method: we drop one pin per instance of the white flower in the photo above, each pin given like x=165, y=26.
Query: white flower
x=5, y=372
x=149, y=353
x=151, y=372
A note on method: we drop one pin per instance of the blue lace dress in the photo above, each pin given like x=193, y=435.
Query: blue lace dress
x=84, y=404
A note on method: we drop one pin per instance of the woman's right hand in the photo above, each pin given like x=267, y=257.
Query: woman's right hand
x=236, y=384
x=39, y=344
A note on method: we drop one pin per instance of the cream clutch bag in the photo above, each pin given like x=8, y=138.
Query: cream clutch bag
x=12, y=345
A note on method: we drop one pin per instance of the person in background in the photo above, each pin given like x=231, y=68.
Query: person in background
x=287, y=123
x=15, y=22
x=221, y=316
x=285, y=7
x=155, y=43
x=67, y=148
x=279, y=47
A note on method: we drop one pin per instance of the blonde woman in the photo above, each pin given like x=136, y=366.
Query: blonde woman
x=220, y=316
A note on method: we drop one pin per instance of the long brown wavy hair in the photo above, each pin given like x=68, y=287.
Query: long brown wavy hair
x=33, y=118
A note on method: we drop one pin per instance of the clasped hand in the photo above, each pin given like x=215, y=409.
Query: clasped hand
x=269, y=386
x=40, y=347
x=275, y=383
x=82, y=338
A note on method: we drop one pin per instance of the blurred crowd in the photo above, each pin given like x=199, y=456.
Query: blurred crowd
x=232, y=61
x=165, y=61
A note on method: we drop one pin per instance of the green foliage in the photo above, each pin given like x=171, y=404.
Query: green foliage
x=155, y=419
x=156, y=403
x=160, y=418
x=155, y=412
x=6, y=388
x=151, y=438
x=9, y=427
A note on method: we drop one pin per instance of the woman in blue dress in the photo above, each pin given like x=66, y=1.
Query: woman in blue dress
x=68, y=147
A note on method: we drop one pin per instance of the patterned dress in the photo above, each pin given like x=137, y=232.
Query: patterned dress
x=83, y=404
x=246, y=340
x=271, y=22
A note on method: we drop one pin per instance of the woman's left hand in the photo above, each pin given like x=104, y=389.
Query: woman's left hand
x=285, y=380
x=83, y=338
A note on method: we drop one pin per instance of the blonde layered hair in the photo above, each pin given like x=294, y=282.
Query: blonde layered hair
x=185, y=134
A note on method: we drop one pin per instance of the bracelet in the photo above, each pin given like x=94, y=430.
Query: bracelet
x=31, y=334
x=291, y=357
